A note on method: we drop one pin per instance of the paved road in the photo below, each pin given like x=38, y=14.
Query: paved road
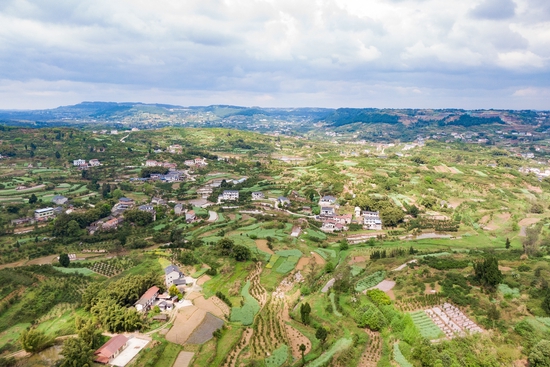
x=213, y=216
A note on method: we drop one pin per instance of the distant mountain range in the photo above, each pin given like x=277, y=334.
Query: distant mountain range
x=123, y=115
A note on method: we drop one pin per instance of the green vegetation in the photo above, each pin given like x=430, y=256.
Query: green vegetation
x=249, y=308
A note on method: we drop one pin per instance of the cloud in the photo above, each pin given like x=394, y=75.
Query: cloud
x=230, y=50
x=494, y=9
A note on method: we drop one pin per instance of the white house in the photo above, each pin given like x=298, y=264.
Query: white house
x=258, y=195
x=327, y=211
x=281, y=200
x=147, y=299
x=327, y=200
x=173, y=275
x=371, y=220
x=94, y=163
x=190, y=216
x=152, y=163
x=230, y=195
x=43, y=214
x=149, y=209
x=79, y=162
x=178, y=209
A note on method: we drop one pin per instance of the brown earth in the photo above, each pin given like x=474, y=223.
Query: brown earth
x=187, y=320
x=318, y=258
x=358, y=259
x=209, y=306
x=528, y=221
x=536, y=189
x=262, y=245
x=302, y=263
x=203, y=279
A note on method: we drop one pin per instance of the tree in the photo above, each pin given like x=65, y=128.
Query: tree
x=329, y=267
x=305, y=310
x=321, y=334
x=89, y=333
x=487, y=273
x=64, y=260
x=540, y=354
x=241, y=253
x=34, y=341
x=303, y=349
x=173, y=290
x=33, y=199
x=507, y=244
x=414, y=211
x=546, y=303
x=57, y=155
x=138, y=217
x=225, y=246
x=76, y=352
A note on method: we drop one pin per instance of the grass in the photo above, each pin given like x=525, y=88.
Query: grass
x=245, y=314
x=399, y=357
x=508, y=292
x=169, y=355
x=288, y=265
x=83, y=271
x=340, y=345
x=12, y=334
x=278, y=357
x=199, y=273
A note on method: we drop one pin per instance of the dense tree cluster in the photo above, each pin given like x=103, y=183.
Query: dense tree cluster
x=488, y=273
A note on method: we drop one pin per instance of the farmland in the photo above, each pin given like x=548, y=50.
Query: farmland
x=462, y=257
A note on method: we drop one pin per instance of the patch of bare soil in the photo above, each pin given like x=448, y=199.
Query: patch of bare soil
x=528, y=221
x=221, y=305
x=504, y=268
x=295, y=337
x=442, y=169
x=536, y=189
x=262, y=245
x=203, y=279
x=193, y=295
x=455, y=203
x=318, y=258
x=373, y=351
x=429, y=289
x=302, y=263
x=208, y=305
x=231, y=360
x=357, y=259
x=187, y=320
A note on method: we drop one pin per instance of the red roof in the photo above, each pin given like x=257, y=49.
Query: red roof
x=110, y=348
x=151, y=292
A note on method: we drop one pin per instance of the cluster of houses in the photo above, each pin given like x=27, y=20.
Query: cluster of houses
x=82, y=165
x=153, y=163
x=333, y=222
x=152, y=297
x=197, y=162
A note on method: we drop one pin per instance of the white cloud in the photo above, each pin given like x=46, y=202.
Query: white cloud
x=263, y=47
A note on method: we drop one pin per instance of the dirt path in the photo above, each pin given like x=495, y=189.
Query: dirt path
x=373, y=351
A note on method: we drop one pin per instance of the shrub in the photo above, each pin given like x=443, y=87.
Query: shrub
x=379, y=297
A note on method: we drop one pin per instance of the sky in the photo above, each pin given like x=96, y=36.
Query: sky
x=277, y=53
